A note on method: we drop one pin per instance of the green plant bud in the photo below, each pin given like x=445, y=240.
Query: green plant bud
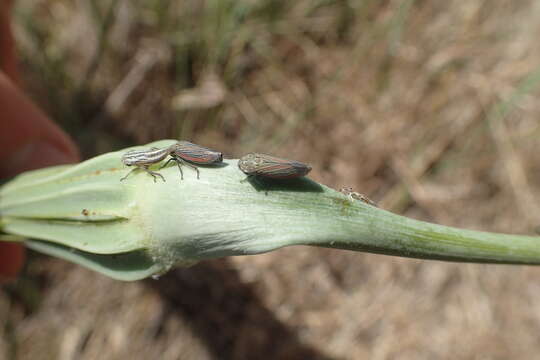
x=140, y=227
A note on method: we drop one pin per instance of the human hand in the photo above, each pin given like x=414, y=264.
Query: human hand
x=28, y=139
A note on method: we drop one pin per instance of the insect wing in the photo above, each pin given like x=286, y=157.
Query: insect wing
x=144, y=157
x=134, y=157
x=277, y=168
x=197, y=154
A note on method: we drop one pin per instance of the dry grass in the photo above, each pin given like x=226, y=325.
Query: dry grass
x=427, y=107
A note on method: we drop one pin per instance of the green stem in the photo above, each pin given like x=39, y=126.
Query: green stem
x=390, y=234
x=330, y=219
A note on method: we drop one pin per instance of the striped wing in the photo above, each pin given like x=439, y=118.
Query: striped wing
x=277, y=168
x=144, y=157
x=197, y=154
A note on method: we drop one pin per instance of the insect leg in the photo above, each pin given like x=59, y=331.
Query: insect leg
x=183, y=162
x=125, y=177
x=153, y=173
x=167, y=162
x=179, y=168
x=248, y=178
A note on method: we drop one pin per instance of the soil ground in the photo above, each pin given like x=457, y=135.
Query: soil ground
x=429, y=108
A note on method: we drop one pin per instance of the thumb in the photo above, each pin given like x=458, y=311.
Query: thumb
x=28, y=140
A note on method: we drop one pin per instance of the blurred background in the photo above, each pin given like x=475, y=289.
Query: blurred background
x=429, y=108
